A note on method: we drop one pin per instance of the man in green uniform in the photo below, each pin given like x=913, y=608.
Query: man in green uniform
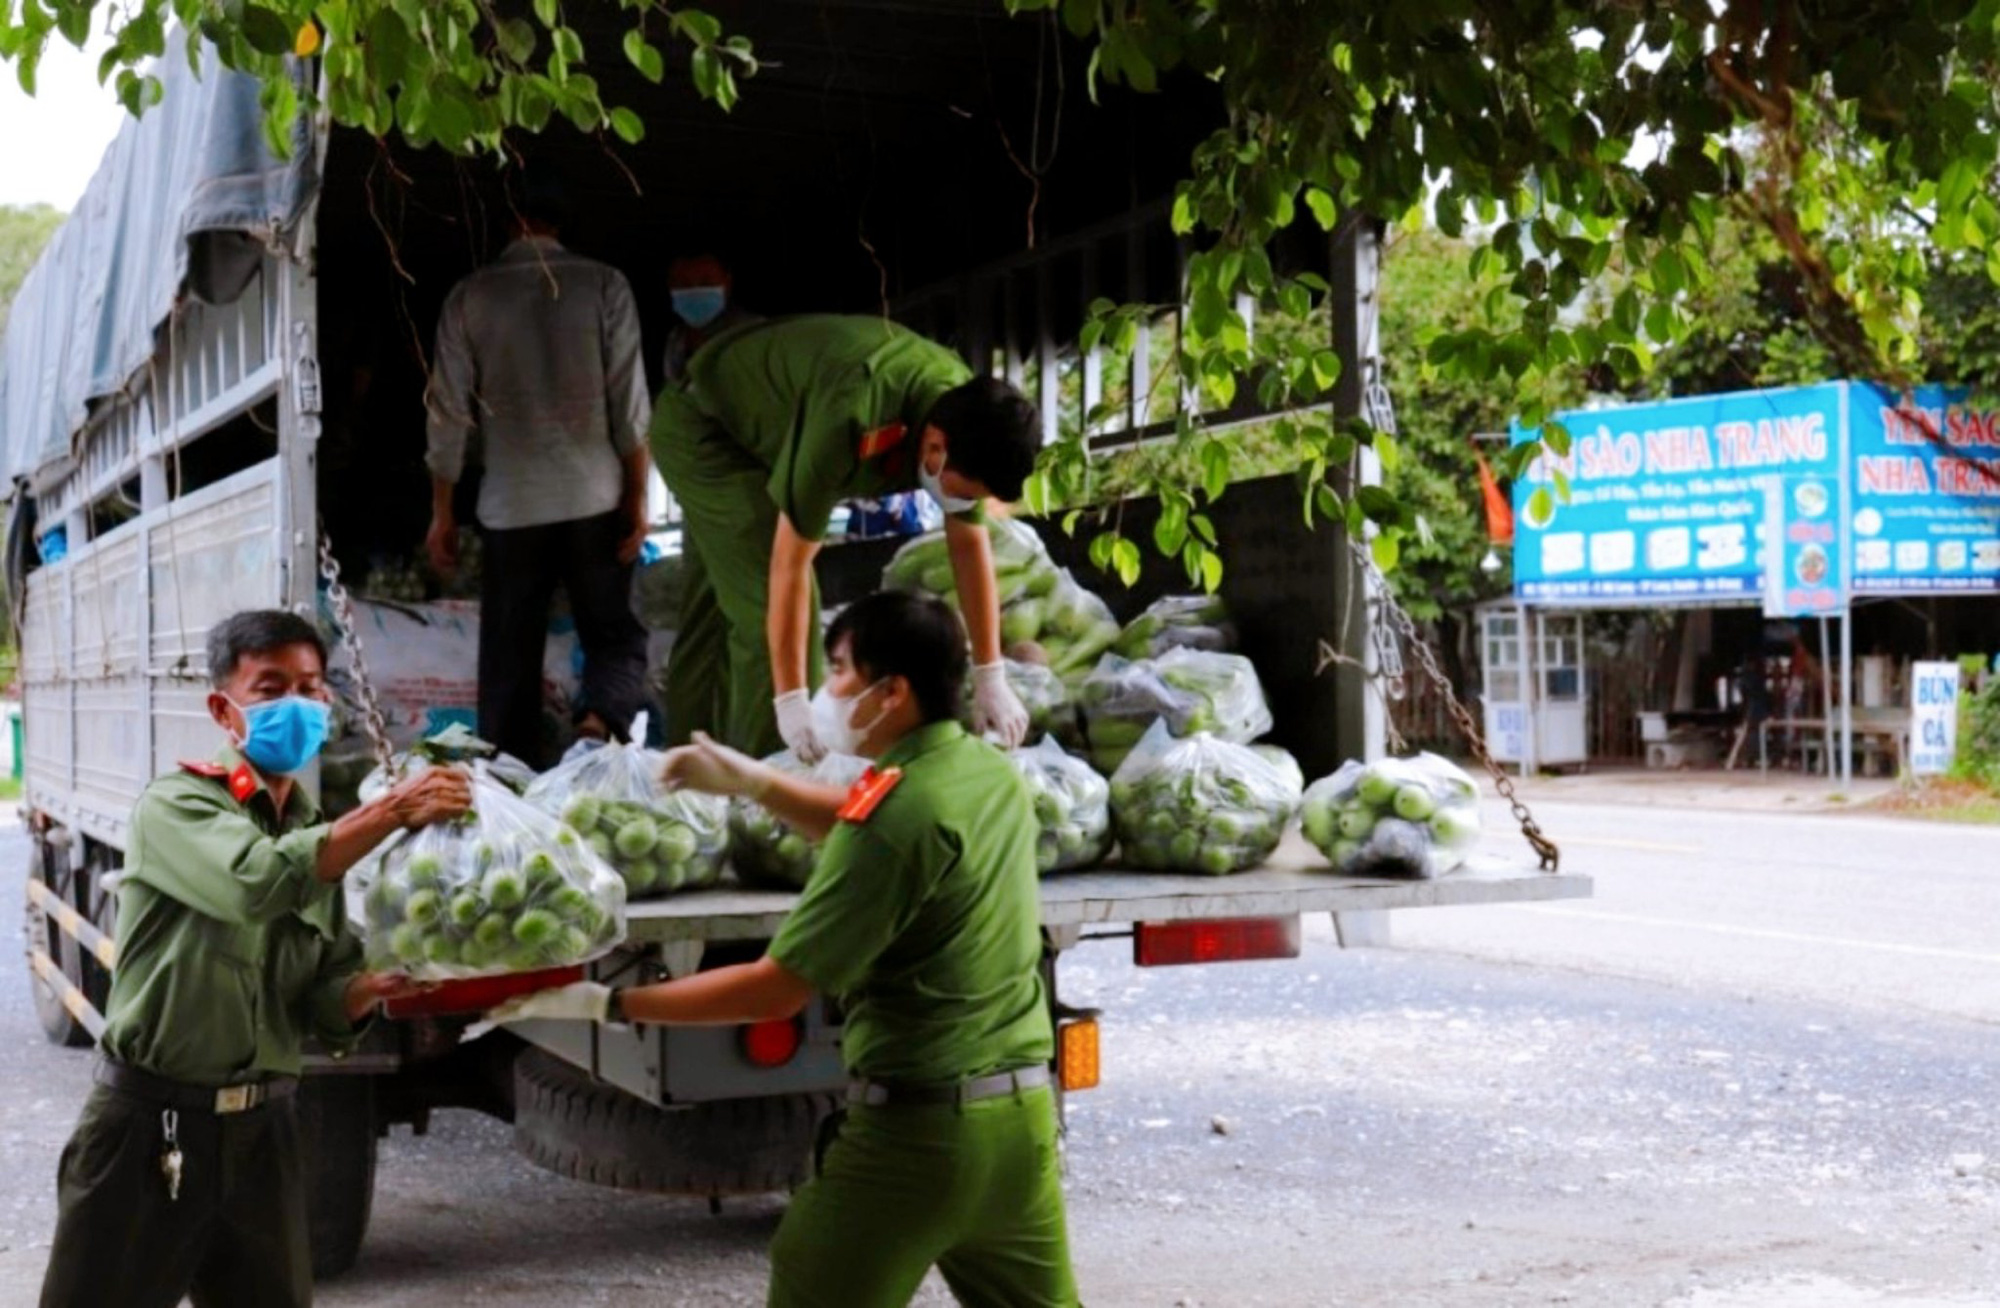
x=921, y=918
x=775, y=425
x=184, y=1176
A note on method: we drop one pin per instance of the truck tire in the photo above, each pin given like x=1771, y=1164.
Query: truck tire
x=45, y=935
x=588, y=1131
x=338, y=1133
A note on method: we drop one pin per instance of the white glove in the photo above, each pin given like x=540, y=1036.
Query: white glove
x=579, y=1001
x=795, y=724
x=996, y=710
x=714, y=770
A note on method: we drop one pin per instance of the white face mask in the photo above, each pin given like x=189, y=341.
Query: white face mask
x=933, y=484
x=833, y=720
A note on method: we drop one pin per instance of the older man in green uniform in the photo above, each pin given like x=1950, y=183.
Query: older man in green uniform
x=775, y=425
x=184, y=1176
x=921, y=917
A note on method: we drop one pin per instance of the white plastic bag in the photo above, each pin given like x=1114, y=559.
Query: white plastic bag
x=506, y=888
x=768, y=852
x=1414, y=817
x=1199, y=805
x=1178, y=622
x=1191, y=691
x=1042, y=693
x=658, y=841
x=1072, y=804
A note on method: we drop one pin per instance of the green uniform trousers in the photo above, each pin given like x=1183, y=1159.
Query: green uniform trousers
x=236, y=1237
x=975, y=1190
x=719, y=673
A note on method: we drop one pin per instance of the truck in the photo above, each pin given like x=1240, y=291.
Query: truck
x=211, y=399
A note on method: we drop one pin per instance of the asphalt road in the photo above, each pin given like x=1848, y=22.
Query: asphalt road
x=1759, y=1069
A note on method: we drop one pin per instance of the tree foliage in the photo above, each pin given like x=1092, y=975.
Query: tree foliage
x=23, y=233
x=1587, y=151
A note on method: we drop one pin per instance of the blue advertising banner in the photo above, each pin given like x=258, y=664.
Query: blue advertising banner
x=1804, y=576
x=1668, y=501
x=1925, y=519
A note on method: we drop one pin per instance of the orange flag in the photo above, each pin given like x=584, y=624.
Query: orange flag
x=1499, y=513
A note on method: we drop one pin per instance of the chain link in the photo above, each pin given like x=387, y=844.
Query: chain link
x=372, y=720
x=1549, y=856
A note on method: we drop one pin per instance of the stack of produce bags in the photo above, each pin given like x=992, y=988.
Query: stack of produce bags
x=1189, y=690
x=1072, y=804
x=658, y=841
x=1178, y=622
x=767, y=852
x=507, y=888
x=1414, y=817
x=1203, y=804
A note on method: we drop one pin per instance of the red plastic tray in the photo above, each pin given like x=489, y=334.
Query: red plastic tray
x=479, y=993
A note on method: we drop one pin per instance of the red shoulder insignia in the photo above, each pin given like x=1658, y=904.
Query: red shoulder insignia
x=242, y=783
x=881, y=440
x=868, y=793
x=213, y=771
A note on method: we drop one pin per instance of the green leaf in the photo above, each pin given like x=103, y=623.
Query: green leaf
x=1211, y=572
x=628, y=125
x=1325, y=369
x=387, y=47
x=568, y=44
x=1541, y=506
x=1324, y=211
x=699, y=27
x=1125, y=558
x=1214, y=473
x=516, y=37
x=264, y=30
x=645, y=57
x=1388, y=451
x=1101, y=546
x=546, y=11
x=1203, y=527
x=1385, y=550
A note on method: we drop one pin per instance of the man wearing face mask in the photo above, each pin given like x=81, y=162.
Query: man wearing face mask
x=184, y=1175
x=921, y=917
x=705, y=303
x=778, y=423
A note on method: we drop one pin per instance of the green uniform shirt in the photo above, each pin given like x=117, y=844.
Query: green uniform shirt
x=231, y=950
x=802, y=395
x=923, y=919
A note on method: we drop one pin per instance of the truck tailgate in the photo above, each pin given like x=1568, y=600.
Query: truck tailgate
x=1293, y=881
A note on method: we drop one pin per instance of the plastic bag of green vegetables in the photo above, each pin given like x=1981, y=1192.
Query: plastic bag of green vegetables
x=1021, y=566
x=1288, y=767
x=658, y=841
x=767, y=852
x=1042, y=693
x=506, y=888
x=1203, y=804
x=1414, y=817
x=1076, y=628
x=1178, y=622
x=1191, y=691
x=1072, y=804
x=455, y=744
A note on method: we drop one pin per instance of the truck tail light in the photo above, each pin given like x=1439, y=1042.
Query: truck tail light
x=771, y=1044
x=1220, y=940
x=1077, y=1066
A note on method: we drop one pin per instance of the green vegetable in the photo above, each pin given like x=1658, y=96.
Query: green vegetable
x=504, y=888
x=423, y=908
x=422, y=870
x=1414, y=803
x=466, y=908
x=536, y=927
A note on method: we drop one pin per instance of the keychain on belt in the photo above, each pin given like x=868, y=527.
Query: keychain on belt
x=170, y=1160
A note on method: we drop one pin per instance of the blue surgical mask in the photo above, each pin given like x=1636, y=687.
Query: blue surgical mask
x=698, y=306
x=282, y=735
x=933, y=484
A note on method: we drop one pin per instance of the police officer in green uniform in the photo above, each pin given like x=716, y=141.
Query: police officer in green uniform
x=775, y=424
x=921, y=918
x=184, y=1175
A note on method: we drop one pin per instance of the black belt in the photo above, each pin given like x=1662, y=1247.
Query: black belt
x=897, y=1094
x=179, y=1094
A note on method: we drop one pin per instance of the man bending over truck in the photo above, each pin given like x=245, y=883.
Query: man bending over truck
x=184, y=1176
x=921, y=918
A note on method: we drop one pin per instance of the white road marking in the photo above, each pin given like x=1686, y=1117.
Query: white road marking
x=1764, y=933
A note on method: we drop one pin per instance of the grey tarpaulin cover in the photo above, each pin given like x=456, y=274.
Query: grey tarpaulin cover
x=181, y=196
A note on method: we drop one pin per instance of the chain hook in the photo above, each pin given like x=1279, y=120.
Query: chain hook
x=373, y=721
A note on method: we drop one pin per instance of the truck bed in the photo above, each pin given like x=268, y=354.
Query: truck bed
x=1295, y=880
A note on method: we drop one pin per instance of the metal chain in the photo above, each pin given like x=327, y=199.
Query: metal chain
x=372, y=720
x=1546, y=852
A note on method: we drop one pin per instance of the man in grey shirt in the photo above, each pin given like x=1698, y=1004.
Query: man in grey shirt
x=538, y=362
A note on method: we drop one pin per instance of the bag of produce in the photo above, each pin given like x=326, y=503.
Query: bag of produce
x=1021, y=565
x=1178, y=622
x=1288, y=767
x=1189, y=690
x=455, y=744
x=1415, y=817
x=1198, y=805
x=1072, y=803
x=1042, y=693
x=1076, y=627
x=659, y=841
x=766, y=852
x=506, y=888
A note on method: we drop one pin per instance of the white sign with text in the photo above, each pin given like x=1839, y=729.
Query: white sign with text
x=1933, y=717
